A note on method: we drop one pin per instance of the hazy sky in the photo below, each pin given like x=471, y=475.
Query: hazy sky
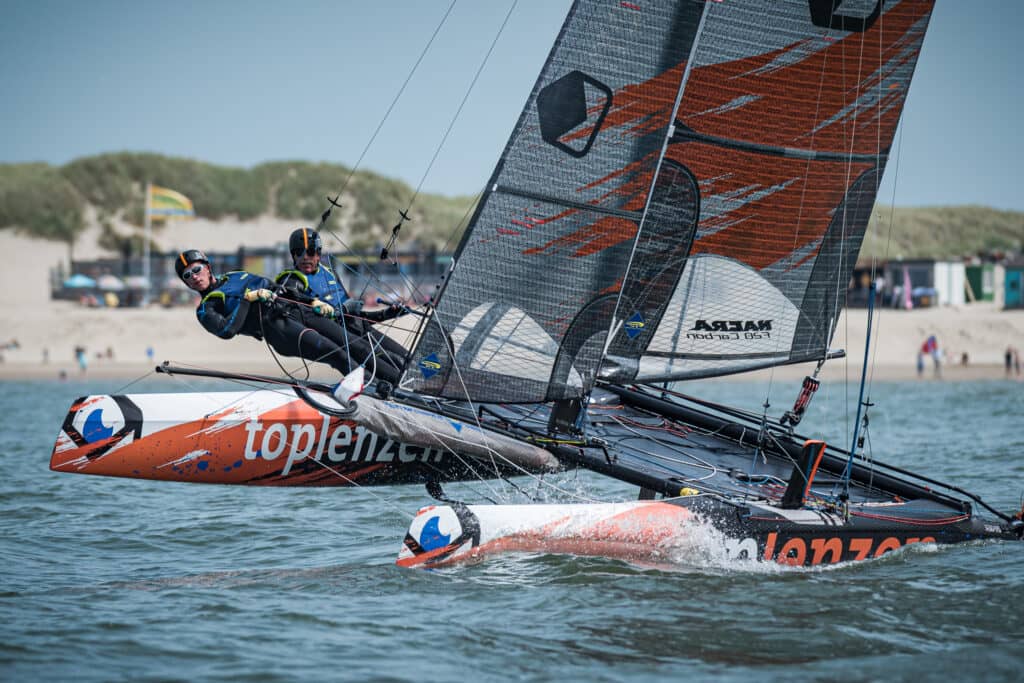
x=237, y=83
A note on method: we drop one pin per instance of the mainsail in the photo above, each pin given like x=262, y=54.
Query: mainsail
x=527, y=309
x=684, y=195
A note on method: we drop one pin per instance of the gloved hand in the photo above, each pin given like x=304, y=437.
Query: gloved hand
x=395, y=310
x=263, y=295
x=324, y=309
x=353, y=306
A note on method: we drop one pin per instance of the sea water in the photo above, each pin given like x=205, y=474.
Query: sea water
x=114, y=579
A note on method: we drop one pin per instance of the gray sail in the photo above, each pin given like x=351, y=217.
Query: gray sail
x=525, y=313
x=717, y=244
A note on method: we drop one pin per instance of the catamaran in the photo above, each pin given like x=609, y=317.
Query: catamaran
x=683, y=197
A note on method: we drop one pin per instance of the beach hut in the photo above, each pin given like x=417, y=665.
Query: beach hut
x=948, y=281
x=931, y=282
x=1013, y=283
x=981, y=281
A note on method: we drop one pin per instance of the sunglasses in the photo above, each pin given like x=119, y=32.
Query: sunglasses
x=312, y=251
x=192, y=272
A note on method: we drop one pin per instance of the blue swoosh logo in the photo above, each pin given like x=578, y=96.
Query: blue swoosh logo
x=94, y=429
x=431, y=536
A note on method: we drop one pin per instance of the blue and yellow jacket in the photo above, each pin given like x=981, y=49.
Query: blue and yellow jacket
x=323, y=285
x=224, y=311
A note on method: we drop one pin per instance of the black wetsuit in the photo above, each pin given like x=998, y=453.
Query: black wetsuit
x=223, y=311
x=381, y=355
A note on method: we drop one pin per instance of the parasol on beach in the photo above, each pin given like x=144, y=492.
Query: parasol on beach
x=79, y=281
x=136, y=282
x=110, y=282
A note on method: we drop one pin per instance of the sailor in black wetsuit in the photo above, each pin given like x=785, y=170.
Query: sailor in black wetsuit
x=242, y=303
x=325, y=306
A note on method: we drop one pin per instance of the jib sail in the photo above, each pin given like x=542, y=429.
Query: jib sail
x=785, y=124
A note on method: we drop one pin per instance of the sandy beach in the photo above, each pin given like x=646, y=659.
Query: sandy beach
x=38, y=323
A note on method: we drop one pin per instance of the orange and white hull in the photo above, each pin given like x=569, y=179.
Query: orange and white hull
x=272, y=438
x=638, y=531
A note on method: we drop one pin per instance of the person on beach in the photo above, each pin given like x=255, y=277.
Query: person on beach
x=81, y=358
x=930, y=348
x=242, y=303
x=324, y=305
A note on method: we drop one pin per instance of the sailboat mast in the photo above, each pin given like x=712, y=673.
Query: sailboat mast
x=614, y=322
x=860, y=396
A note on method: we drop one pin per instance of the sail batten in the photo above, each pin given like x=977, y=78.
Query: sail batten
x=684, y=134
x=569, y=204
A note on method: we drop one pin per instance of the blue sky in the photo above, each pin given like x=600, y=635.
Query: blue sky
x=239, y=83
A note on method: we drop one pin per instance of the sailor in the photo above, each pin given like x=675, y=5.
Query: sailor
x=325, y=306
x=242, y=303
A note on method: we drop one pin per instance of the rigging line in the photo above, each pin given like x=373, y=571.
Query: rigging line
x=874, y=263
x=464, y=220
x=356, y=485
x=836, y=308
x=860, y=398
x=695, y=462
x=462, y=104
x=373, y=356
x=273, y=354
x=892, y=211
x=247, y=380
x=878, y=128
x=462, y=382
x=498, y=475
x=446, y=276
x=371, y=275
x=469, y=401
x=398, y=95
x=138, y=379
x=491, y=451
x=380, y=125
x=237, y=380
x=800, y=218
x=459, y=228
x=404, y=215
